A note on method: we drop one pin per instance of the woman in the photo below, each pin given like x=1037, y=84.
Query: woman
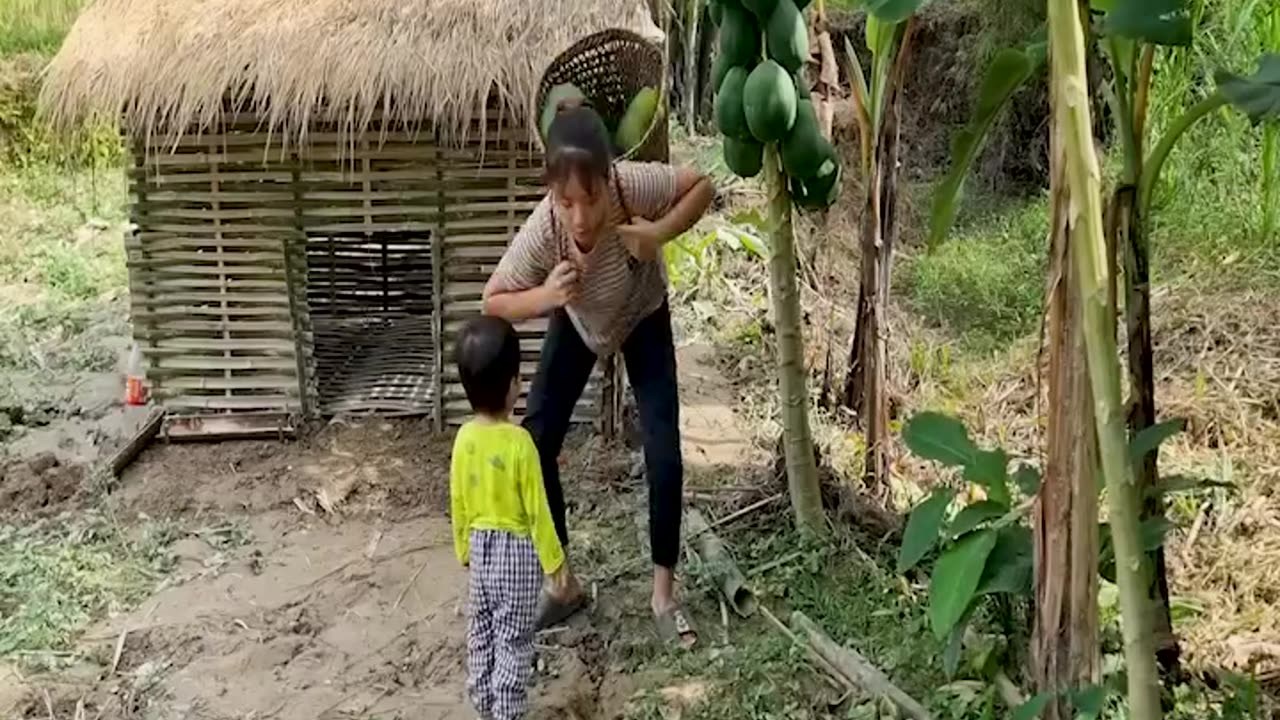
x=590, y=257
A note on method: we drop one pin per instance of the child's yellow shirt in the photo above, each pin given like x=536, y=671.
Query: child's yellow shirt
x=496, y=484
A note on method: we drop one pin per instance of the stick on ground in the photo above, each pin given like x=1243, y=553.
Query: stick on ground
x=855, y=667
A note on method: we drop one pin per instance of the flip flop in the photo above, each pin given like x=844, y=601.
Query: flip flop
x=675, y=627
x=553, y=612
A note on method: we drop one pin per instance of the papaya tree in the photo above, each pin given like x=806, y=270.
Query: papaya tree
x=1072, y=128
x=877, y=98
x=769, y=126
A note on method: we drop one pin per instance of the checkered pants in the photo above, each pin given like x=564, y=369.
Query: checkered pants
x=506, y=579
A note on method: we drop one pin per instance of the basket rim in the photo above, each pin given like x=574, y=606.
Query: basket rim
x=613, y=33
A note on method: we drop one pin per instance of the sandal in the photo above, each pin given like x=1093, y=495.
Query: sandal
x=552, y=611
x=674, y=627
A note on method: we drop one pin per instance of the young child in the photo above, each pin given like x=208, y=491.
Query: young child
x=502, y=525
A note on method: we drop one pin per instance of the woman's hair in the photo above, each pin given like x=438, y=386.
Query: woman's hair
x=578, y=146
x=488, y=358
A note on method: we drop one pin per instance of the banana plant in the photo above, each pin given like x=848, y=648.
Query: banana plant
x=1271, y=142
x=984, y=549
x=877, y=93
x=1131, y=33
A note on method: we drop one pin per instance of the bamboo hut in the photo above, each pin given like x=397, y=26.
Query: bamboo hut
x=319, y=189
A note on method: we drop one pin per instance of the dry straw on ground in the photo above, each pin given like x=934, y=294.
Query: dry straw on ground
x=170, y=66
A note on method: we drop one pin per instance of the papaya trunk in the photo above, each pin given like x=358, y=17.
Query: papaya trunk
x=1072, y=126
x=802, y=470
x=1065, y=651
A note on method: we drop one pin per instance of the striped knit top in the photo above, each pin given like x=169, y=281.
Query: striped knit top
x=616, y=290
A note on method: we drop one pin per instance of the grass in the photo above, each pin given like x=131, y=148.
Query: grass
x=62, y=272
x=35, y=25
x=986, y=282
x=58, y=576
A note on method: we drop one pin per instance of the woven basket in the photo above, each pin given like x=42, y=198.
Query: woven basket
x=610, y=67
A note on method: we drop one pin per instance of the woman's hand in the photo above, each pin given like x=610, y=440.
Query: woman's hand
x=643, y=238
x=561, y=284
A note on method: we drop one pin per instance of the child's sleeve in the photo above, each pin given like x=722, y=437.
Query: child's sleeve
x=458, y=508
x=542, y=529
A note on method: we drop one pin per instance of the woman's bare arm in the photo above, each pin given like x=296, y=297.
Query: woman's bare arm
x=695, y=193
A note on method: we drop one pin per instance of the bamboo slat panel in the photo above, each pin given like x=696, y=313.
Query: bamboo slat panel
x=209, y=273
x=328, y=279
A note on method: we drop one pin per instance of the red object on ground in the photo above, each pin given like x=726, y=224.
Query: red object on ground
x=135, y=388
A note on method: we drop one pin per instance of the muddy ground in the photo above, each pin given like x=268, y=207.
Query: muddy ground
x=322, y=583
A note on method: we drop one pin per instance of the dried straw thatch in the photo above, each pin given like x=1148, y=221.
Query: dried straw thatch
x=168, y=67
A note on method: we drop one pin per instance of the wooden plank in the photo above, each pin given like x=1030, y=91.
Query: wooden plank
x=220, y=364
x=241, y=425
x=224, y=345
x=286, y=383
x=175, y=285
x=159, y=271
x=235, y=402
x=172, y=258
x=166, y=312
x=159, y=242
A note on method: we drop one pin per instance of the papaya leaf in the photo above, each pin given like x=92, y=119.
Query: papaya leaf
x=1149, y=438
x=1009, y=70
x=1009, y=566
x=955, y=580
x=1032, y=708
x=934, y=436
x=893, y=11
x=1027, y=477
x=990, y=469
x=1163, y=22
x=973, y=516
x=1257, y=95
x=922, y=528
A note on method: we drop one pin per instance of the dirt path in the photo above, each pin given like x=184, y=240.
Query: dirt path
x=712, y=434
x=337, y=595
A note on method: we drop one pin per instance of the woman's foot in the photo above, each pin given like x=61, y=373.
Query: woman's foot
x=674, y=626
x=673, y=622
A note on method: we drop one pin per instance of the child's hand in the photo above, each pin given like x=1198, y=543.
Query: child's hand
x=564, y=584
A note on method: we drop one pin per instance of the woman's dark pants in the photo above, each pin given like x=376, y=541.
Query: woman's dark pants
x=563, y=370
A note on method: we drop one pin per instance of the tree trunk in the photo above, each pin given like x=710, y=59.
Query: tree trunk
x=1128, y=234
x=692, y=57
x=866, y=385
x=802, y=469
x=1074, y=140
x=706, y=67
x=1065, y=652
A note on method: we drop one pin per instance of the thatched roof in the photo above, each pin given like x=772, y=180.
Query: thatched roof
x=170, y=66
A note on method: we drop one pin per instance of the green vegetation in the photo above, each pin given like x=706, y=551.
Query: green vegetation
x=35, y=25
x=62, y=273
x=986, y=284
x=57, y=577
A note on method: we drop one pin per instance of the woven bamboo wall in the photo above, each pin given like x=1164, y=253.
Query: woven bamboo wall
x=215, y=292
x=328, y=280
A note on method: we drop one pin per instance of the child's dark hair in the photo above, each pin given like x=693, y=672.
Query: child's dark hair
x=578, y=146
x=488, y=357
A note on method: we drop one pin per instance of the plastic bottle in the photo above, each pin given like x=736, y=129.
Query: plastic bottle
x=135, y=389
